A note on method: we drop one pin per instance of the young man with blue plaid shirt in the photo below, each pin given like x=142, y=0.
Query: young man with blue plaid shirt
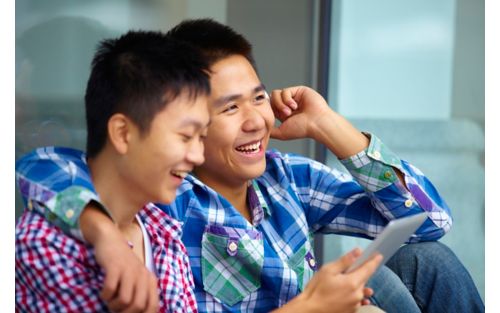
x=249, y=214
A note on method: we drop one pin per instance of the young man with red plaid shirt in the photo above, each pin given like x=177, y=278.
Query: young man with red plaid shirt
x=135, y=131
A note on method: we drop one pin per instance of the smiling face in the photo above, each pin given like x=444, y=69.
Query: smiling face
x=158, y=161
x=240, y=128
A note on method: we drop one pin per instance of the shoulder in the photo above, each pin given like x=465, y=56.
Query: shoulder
x=33, y=225
x=51, y=166
x=55, y=154
x=278, y=159
x=290, y=163
x=159, y=222
x=35, y=234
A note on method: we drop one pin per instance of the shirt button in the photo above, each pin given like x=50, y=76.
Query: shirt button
x=70, y=213
x=408, y=203
x=233, y=246
x=376, y=155
x=312, y=263
x=388, y=174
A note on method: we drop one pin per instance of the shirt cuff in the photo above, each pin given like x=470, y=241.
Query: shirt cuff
x=65, y=207
x=373, y=167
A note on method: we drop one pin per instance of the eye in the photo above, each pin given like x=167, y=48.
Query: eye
x=260, y=98
x=230, y=108
x=186, y=138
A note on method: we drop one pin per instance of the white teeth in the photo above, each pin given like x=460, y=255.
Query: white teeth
x=180, y=174
x=249, y=148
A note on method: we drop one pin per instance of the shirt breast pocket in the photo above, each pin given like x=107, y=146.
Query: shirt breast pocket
x=232, y=261
x=303, y=263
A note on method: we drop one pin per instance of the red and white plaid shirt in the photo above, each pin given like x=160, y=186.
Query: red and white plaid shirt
x=56, y=273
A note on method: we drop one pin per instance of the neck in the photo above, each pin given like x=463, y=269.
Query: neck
x=235, y=193
x=120, y=199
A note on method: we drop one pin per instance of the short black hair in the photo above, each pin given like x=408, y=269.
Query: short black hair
x=216, y=41
x=138, y=74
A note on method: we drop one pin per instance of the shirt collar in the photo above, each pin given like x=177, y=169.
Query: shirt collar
x=257, y=203
x=256, y=200
x=191, y=178
x=159, y=224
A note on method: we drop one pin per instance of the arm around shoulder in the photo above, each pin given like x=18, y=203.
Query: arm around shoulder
x=56, y=182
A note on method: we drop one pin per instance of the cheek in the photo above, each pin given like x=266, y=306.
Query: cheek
x=217, y=150
x=269, y=116
x=167, y=153
x=170, y=157
x=220, y=136
x=212, y=152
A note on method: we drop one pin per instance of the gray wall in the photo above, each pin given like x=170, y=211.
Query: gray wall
x=281, y=32
x=468, y=63
x=52, y=66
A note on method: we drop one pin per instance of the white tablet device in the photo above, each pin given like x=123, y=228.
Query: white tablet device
x=391, y=238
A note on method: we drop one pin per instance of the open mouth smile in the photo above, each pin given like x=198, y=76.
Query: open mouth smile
x=250, y=148
x=180, y=174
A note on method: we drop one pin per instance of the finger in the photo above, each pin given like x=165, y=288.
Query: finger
x=123, y=297
x=279, y=107
x=356, y=253
x=131, y=309
x=139, y=299
x=367, y=292
x=343, y=263
x=110, y=285
x=276, y=133
x=287, y=97
x=363, y=272
x=280, y=116
x=153, y=300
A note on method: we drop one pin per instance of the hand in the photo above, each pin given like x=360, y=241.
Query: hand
x=332, y=290
x=304, y=113
x=298, y=109
x=128, y=285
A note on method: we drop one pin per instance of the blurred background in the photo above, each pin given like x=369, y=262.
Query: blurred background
x=411, y=72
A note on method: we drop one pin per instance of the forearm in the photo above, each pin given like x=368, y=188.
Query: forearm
x=56, y=182
x=96, y=225
x=374, y=191
x=343, y=139
x=297, y=304
x=338, y=135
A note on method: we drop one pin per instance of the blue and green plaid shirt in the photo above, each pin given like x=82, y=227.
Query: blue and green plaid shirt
x=256, y=267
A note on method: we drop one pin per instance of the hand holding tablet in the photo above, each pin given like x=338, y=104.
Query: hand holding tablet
x=391, y=238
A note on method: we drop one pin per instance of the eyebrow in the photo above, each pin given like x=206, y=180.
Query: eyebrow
x=225, y=99
x=190, y=121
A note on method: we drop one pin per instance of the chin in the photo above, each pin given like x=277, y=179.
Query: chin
x=167, y=198
x=256, y=171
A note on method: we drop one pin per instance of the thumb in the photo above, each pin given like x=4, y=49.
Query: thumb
x=343, y=263
x=277, y=133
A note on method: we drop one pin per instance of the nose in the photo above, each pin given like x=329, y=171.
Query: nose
x=253, y=119
x=195, y=153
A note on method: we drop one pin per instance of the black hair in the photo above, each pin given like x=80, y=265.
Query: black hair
x=138, y=74
x=216, y=41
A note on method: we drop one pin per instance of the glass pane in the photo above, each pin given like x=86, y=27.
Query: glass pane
x=55, y=42
x=412, y=72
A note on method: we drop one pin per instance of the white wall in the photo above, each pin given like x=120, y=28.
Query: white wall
x=393, y=58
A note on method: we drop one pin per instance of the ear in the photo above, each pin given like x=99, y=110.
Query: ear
x=120, y=132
